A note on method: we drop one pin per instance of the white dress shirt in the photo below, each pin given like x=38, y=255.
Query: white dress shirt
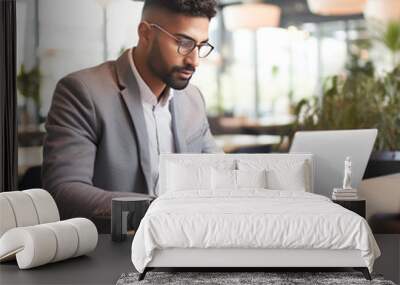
x=158, y=121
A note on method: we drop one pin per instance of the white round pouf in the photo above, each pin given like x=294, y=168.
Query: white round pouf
x=6, y=215
x=67, y=240
x=31, y=233
x=23, y=208
x=33, y=246
x=45, y=205
x=87, y=234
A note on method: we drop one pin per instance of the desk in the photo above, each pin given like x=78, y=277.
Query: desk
x=388, y=264
x=30, y=148
x=275, y=125
x=231, y=143
x=357, y=206
x=110, y=259
x=102, y=266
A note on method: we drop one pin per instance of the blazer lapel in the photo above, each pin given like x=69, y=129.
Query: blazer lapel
x=177, y=128
x=131, y=96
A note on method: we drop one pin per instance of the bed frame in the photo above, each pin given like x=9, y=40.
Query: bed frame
x=240, y=259
x=250, y=259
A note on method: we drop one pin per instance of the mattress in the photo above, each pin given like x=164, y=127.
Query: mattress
x=250, y=219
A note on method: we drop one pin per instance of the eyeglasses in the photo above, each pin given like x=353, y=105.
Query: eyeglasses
x=186, y=46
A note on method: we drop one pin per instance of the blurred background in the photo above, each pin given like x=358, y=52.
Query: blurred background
x=279, y=66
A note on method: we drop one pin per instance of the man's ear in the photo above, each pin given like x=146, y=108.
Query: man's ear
x=145, y=33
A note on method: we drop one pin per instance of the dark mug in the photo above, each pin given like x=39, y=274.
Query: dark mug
x=126, y=213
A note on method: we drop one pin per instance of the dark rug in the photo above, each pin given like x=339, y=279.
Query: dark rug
x=269, y=278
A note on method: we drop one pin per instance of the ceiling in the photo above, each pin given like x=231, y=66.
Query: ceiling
x=295, y=12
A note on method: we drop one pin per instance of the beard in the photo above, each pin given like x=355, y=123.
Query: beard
x=170, y=76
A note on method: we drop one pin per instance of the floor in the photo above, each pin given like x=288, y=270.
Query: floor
x=389, y=262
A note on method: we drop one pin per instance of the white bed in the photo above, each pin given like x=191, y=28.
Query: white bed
x=201, y=223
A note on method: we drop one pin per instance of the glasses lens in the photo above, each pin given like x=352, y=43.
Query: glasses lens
x=205, y=50
x=186, y=47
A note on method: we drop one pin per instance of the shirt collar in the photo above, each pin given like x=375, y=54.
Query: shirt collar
x=145, y=92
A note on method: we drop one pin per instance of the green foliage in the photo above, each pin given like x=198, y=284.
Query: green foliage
x=28, y=84
x=389, y=35
x=356, y=102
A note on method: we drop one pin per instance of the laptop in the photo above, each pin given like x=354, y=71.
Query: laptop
x=330, y=149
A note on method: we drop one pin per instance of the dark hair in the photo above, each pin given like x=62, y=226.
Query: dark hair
x=195, y=8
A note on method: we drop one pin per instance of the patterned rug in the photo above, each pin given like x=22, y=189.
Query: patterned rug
x=242, y=278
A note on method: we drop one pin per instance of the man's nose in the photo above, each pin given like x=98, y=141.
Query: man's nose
x=193, y=58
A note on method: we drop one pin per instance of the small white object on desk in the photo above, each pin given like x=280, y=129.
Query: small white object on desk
x=347, y=192
x=344, y=194
x=347, y=173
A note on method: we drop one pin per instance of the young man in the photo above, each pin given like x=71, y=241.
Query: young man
x=108, y=124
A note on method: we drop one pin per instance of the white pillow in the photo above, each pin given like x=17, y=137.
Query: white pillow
x=236, y=179
x=187, y=177
x=223, y=179
x=281, y=174
x=290, y=179
x=251, y=178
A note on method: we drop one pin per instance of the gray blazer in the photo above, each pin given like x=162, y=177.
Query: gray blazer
x=96, y=146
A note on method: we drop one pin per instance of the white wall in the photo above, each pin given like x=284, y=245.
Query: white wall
x=25, y=33
x=71, y=36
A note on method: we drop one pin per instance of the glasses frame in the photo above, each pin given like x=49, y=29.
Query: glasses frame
x=179, y=42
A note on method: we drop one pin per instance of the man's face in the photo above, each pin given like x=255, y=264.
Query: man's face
x=164, y=61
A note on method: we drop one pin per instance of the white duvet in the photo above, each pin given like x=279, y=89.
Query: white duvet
x=252, y=218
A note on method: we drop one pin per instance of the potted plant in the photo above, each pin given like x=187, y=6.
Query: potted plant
x=359, y=100
x=28, y=85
